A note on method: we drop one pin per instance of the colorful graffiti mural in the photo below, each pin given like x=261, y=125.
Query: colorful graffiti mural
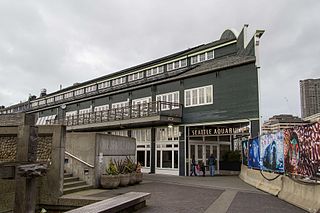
x=254, y=153
x=302, y=150
x=245, y=152
x=271, y=152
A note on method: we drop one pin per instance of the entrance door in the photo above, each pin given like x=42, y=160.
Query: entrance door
x=202, y=152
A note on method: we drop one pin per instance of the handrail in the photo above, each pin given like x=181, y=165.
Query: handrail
x=78, y=159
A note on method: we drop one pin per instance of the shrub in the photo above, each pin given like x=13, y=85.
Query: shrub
x=112, y=169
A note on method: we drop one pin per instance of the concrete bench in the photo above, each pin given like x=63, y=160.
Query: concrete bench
x=128, y=202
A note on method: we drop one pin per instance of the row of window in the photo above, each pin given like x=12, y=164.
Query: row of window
x=131, y=77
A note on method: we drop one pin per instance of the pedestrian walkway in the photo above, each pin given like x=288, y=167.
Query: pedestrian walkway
x=199, y=194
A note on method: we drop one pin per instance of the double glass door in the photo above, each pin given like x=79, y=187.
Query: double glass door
x=202, y=152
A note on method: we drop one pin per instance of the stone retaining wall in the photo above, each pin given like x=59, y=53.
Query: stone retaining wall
x=8, y=148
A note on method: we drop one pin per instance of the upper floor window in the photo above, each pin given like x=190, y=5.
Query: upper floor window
x=118, y=81
x=58, y=97
x=104, y=85
x=50, y=100
x=34, y=104
x=84, y=111
x=91, y=88
x=198, y=96
x=101, y=108
x=135, y=76
x=79, y=92
x=42, y=102
x=68, y=95
x=170, y=66
x=194, y=59
x=168, y=99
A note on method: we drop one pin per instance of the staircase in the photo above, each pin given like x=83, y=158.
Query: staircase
x=73, y=184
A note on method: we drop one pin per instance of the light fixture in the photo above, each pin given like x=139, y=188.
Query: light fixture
x=170, y=125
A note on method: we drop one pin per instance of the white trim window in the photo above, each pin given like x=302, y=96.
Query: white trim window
x=71, y=113
x=118, y=81
x=79, y=92
x=140, y=105
x=85, y=111
x=118, y=106
x=50, y=100
x=58, y=97
x=167, y=99
x=103, y=84
x=68, y=95
x=135, y=76
x=204, y=56
x=42, y=102
x=91, y=88
x=155, y=71
x=101, y=108
x=198, y=96
x=34, y=104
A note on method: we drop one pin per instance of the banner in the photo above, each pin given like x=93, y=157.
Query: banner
x=271, y=152
x=254, y=154
x=245, y=152
x=302, y=150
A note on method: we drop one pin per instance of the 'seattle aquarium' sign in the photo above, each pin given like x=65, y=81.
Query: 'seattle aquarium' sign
x=219, y=131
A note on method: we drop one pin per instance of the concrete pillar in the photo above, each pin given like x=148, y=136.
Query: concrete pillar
x=182, y=152
x=153, y=150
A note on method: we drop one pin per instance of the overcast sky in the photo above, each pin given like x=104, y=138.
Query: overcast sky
x=44, y=44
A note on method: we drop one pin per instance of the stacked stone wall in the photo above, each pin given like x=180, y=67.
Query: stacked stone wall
x=44, y=148
x=8, y=148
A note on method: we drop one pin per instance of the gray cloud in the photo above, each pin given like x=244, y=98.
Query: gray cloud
x=44, y=44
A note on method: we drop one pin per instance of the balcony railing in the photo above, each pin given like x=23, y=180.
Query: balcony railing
x=125, y=113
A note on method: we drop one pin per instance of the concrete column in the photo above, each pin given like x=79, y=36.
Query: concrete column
x=182, y=152
x=153, y=150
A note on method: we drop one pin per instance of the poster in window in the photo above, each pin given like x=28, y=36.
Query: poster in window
x=271, y=152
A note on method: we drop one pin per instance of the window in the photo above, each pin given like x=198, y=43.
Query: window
x=121, y=106
x=118, y=81
x=183, y=62
x=58, y=97
x=101, y=108
x=68, y=95
x=210, y=55
x=34, y=104
x=50, y=100
x=198, y=96
x=104, y=85
x=91, y=88
x=79, y=92
x=42, y=102
x=176, y=64
x=85, y=111
x=154, y=71
x=169, y=100
x=194, y=59
x=170, y=66
x=149, y=73
x=161, y=69
x=202, y=57
x=46, y=120
x=135, y=76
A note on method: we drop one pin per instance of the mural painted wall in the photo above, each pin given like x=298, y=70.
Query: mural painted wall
x=245, y=152
x=302, y=150
x=271, y=152
x=254, y=153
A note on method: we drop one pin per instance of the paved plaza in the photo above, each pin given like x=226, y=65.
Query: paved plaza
x=200, y=194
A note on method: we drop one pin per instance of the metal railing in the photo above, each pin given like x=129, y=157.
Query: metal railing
x=124, y=113
x=78, y=159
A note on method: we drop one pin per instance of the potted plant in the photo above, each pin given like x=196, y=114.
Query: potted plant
x=123, y=173
x=111, y=179
x=138, y=173
x=130, y=167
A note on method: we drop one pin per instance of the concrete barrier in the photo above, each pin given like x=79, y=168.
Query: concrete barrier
x=254, y=178
x=305, y=196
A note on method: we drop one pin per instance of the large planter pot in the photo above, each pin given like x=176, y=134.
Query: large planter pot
x=138, y=177
x=124, y=179
x=132, y=178
x=110, y=181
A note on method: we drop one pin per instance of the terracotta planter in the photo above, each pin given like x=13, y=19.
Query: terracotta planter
x=138, y=177
x=110, y=181
x=124, y=179
x=132, y=178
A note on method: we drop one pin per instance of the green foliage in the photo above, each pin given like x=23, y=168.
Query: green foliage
x=130, y=166
x=232, y=156
x=112, y=169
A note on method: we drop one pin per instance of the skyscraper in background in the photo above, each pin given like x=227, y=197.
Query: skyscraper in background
x=309, y=97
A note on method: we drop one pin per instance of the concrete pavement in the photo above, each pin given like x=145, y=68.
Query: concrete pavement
x=199, y=194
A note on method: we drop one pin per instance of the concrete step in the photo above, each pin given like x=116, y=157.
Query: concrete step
x=67, y=175
x=76, y=189
x=70, y=179
x=74, y=183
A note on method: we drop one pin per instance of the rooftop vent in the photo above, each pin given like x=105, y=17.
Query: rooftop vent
x=43, y=92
